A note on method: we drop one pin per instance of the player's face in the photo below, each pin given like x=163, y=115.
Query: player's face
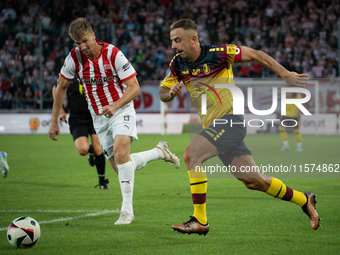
x=86, y=43
x=182, y=43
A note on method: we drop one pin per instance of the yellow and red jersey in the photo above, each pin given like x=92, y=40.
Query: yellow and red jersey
x=213, y=66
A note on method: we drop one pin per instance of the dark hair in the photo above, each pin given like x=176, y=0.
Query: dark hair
x=186, y=24
x=78, y=27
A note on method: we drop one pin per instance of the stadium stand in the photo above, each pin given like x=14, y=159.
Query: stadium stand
x=301, y=35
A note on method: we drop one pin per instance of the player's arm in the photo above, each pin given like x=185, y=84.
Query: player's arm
x=292, y=78
x=59, y=97
x=171, y=85
x=131, y=92
x=62, y=114
x=168, y=94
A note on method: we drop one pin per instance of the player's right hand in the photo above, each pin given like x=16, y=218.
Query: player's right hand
x=54, y=130
x=294, y=79
x=175, y=89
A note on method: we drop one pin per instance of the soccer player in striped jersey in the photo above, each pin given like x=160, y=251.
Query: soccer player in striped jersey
x=292, y=118
x=110, y=85
x=81, y=126
x=199, y=67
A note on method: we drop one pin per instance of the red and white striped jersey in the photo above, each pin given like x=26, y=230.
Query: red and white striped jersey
x=102, y=78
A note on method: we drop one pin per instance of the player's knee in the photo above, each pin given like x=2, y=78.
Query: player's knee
x=98, y=150
x=121, y=157
x=281, y=129
x=82, y=151
x=186, y=157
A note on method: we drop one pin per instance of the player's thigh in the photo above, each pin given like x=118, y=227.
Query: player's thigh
x=199, y=150
x=108, y=129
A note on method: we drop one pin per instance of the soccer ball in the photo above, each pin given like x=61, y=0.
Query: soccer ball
x=23, y=232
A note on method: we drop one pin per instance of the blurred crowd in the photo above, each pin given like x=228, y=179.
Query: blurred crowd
x=301, y=35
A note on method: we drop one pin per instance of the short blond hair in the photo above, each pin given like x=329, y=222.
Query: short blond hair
x=78, y=27
x=186, y=24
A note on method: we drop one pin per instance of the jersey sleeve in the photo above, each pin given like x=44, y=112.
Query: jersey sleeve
x=234, y=53
x=68, y=71
x=123, y=67
x=172, y=77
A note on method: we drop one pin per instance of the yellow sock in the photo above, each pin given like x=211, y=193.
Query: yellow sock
x=198, y=187
x=278, y=189
x=283, y=133
x=297, y=135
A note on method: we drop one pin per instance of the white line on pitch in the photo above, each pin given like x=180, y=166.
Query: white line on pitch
x=75, y=217
x=47, y=211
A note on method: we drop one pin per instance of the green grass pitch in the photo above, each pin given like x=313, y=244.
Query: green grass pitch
x=50, y=182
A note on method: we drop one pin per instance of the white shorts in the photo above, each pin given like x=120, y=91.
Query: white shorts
x=123, y=123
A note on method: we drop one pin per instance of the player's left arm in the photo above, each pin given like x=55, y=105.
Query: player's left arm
x=292, y=78
x=58, y=99
x=131, y=92
x=62, y=114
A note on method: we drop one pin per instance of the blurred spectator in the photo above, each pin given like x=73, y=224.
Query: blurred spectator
x=37, y=97
x=18, y=96
x=318, y=70
x=330, y=70
x=28, y=98
x=5, y=85
x=7, y=100
x=301, y=35
x=255, y=70
x=244, y=71
x=9, y=14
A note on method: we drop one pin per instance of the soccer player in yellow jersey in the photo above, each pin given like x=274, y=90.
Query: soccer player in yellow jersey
x=197, y=66
x=292, y=114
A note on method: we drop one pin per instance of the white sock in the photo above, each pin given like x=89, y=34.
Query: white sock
x=126, y=176
x=299, y=145
x=285, y=143
x=140, y=159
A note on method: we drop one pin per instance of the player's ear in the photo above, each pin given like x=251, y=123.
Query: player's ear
x=194, y=38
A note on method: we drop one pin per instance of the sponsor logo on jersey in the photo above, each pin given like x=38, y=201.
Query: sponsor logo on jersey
x=107, y=67
x=126, y=66
x=231, y=49
x=206, y=69
x=196, y=71
x=185, y=72
x=98, y=80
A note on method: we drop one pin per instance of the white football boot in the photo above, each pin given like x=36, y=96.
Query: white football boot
x=125, y=218
x=168, y=156
x=299, y=147
x=285, y=146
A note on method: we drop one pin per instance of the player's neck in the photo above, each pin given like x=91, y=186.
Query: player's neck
x=196, y=54
x=96, y=51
